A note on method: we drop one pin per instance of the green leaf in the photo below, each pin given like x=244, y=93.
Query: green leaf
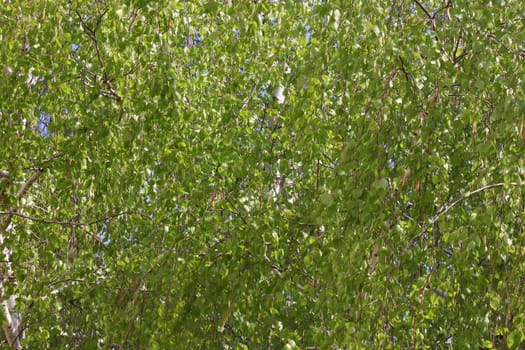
x=327, y=199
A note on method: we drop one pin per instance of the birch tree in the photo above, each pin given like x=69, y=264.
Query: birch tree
x=255, y=175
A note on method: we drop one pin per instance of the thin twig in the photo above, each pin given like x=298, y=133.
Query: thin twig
x=61, y=222
x=36, y=219
x=65, y=281
x=92, y=34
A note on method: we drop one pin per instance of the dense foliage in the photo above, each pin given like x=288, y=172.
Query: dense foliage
x=377, y=202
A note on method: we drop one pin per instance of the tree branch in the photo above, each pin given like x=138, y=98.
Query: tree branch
x=61, y=222
x=430, y=17
x=28, y=183
x=36, y=219
x=23, y=190
x=446, y=208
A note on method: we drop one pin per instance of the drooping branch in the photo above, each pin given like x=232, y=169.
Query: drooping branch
x=445, y=208
x=70, y=223
x=32, y=218
x=61, y=222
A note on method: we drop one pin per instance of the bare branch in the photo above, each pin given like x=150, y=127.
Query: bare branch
x=430, y=17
